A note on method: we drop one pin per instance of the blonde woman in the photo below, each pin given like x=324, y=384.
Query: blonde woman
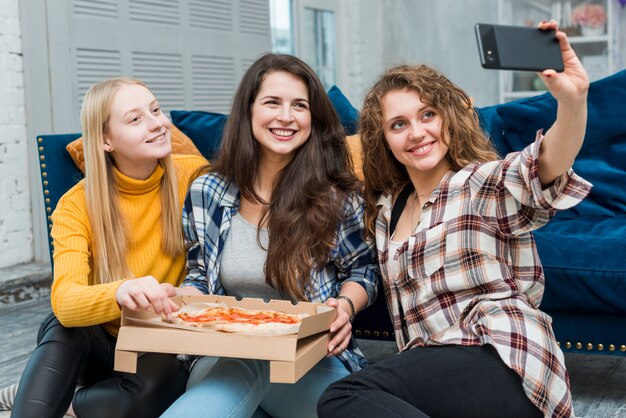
x=117, y=242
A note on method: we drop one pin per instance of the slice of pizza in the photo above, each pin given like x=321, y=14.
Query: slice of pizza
x=196, y=314
x=220, y=317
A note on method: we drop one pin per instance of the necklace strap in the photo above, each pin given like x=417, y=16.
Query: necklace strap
x=399, y=206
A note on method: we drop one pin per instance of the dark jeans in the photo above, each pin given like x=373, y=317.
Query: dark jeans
x=67, y=356
x=446, y=381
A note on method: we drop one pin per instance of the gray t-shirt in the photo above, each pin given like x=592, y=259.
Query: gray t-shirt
x=242, y=261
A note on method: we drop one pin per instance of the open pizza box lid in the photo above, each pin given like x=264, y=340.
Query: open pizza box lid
x=291, y=356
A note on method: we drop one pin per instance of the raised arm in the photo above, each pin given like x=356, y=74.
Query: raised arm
x=564, y=139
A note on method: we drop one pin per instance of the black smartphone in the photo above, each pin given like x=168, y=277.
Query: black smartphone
x=519, y=48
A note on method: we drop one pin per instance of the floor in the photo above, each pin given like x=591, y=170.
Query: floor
x=598, y=382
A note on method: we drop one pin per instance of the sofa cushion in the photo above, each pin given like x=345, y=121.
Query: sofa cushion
x=602, y=159
x=347, y=113
x=204, y=128
x=76, y=151
x=583, y=260
x=356, y=152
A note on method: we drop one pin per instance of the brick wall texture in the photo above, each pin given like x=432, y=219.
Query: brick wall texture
x=16, y=234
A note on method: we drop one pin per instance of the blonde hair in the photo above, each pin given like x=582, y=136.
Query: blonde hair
x=466, y=141
x=108, y=226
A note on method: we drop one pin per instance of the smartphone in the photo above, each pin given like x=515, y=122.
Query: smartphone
x=519, y=48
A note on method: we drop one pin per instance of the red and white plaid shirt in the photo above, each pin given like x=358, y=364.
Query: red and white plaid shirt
x=470, y=273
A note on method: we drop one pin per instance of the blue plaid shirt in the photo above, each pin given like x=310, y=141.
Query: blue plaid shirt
x=211, y=203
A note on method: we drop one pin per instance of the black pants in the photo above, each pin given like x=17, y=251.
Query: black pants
x=447, y=381
x=67, y=356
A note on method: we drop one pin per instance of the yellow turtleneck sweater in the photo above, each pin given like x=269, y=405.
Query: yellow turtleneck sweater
x=75, y=302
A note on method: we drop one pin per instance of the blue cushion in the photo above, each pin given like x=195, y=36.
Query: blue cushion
x=602, y=159
x=347, y=113
x=583, y=260
x=203, y=128
x=493, y=125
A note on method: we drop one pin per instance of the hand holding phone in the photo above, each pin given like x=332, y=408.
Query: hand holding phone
x=518, y=48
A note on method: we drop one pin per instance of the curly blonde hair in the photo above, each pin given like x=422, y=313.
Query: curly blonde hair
x=467, y=143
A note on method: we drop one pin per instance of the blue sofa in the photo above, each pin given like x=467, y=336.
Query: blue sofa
x=583, y=250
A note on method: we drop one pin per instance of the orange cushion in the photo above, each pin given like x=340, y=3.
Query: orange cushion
x=354, y=147
x=181, y=144
x=75, y=148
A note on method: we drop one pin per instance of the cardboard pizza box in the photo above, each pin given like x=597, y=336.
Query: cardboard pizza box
x=291, y=356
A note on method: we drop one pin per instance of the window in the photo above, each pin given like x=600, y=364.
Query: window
x=280, y=21
x=319, y=43
x=306, y=28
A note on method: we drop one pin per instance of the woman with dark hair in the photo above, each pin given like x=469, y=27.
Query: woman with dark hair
x=278, y=217
x=460, y=269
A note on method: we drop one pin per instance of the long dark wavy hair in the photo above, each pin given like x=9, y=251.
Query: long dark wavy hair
x=306, y=206
x=466, y=141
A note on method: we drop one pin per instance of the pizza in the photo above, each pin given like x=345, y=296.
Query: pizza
x=220, y=317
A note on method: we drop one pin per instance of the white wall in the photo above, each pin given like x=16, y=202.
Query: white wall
x=441, y=34
x=15, y=214
x=379, y=34
x=438, y=33
x=361, y=25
